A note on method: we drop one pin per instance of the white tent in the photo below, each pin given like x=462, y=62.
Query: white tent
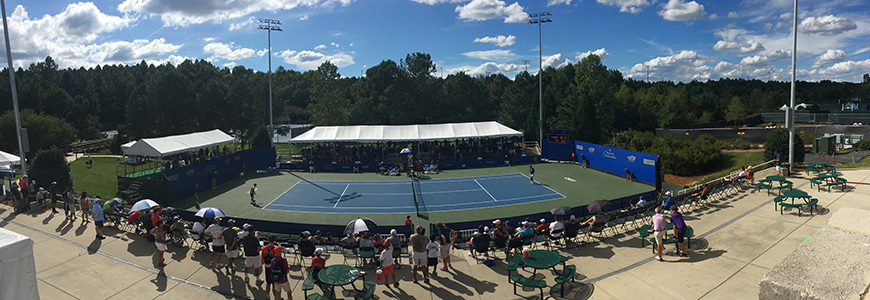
x=9, y=159
x=127, y=145
x=160, y=147
x=17, y=267
x=427, y=132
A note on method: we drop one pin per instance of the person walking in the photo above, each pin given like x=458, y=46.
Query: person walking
x=532, y=174
x=446, y=238
x=98, y=218
x=679, y=229
x=659, y=229
x=418, y=253
x=778, y=163
x=159, y=241
x=253, y=193
x=252, y=254
x=266, y=255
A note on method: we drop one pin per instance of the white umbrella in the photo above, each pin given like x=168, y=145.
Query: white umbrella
x=143, y=205
x=9, y=159
x=406, y=150
x=210, y=213
x=359, y=225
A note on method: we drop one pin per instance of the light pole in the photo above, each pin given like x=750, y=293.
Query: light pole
x=790, y=121
x=540, y=18
x=14, y=92
x=270, y=25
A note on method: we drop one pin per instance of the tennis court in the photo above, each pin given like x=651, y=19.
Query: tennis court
x=398, y=196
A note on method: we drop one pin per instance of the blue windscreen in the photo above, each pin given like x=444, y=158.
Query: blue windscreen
x=615, y=160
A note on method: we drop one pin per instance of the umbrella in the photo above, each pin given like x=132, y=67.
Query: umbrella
x=210, y=213
x=111, y=203
x=406, y=150
x=9, y=159
x=143, y=205
x=359, y=225
x=599, y=206
x=560, y=211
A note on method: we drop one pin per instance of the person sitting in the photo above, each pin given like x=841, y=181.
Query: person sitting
x=481, y=231
x=595, y=221
x=703, y=193
x=542, y=227
x=365, y=242
x=526, y=233
x=556, y=229
x=317, y=262
x=669, y=201
x=640, y=203
x=749, y=175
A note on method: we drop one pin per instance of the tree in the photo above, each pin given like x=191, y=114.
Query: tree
x=49, y=166
x=43, y=131
x=735, y=111
x=778, y=142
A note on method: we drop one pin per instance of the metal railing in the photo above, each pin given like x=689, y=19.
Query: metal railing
x=757, y=168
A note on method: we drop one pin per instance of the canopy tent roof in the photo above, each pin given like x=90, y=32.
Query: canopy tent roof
x=127, y=145
x=9, y=159
x=376, y=133
x=159, y=147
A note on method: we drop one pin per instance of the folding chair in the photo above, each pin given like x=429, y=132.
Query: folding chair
x=571, y=232
x=481, y=245
x=304, y=249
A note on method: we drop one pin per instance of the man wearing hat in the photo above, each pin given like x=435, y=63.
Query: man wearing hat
x=52, y=194
x=640, y=203
x=42, y=197
x=217, y=245
x=666, y=205
x=231, y=238
x=317, y=262
x=252, y=254
x=98, y=217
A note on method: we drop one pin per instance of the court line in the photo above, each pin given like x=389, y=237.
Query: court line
x=552, y=190
x=484, y=189
x=282, y=194
x=342, y=195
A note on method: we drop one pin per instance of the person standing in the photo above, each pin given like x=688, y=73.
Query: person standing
x=409, y=223
x=231, y=238
x=433, y=249
x=532, y=174
x=679, y=229
x=196, y=196
x=98, y=218
x=583, y=161
x=217, y=245
x=266, y=255
x=418, y=253
x=253, y=192
x=778, y=163
x=387, y=264
x=659, y=229
x=24, y=186
x=446, y=238
x=86, y=207
x=52, y=194
x=72, y=204
x=17, y=203
x=214, y=180
x=159, y=241
x=279, y=276
x=573, y=157
x=252, y=254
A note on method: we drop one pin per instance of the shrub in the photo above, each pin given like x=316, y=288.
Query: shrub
x=778, y=141
x=862, y=145
x=679, y=155
x=50, y=165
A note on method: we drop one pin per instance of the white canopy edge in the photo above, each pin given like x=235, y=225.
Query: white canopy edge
x=9, y=159
x=424, y=132
x=17, y=267
x=164, y=146
x=127, y=145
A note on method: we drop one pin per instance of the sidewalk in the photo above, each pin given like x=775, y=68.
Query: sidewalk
x=737, y=240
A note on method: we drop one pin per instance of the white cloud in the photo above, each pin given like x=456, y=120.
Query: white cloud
x=334, y=44
x=677, y=10
x=433, y=2
x=733, y=15
x=246, y=24
x=827, y=25
x=184, y=13
x=137, y=50
x=751, y=47
x=303, y=18
x=684, y=66
x=208, y=39
x=227, y=51
x=602, y=54
x=629, y=6
x=557, y=2
x=745, y=48
x=174, y=60
x=851, y=71
x=555, y=61
x=862, y=50
x=320, y=47
x=481, y=10
x=497, y=55
x=831, y=57
x=713, y=16
x=725, y=46
x=260, y=53
x=310, y=60
x=229, y=65
x=487, y=68
x=501, y=41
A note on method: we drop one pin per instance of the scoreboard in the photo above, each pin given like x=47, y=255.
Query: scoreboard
x=558, y=136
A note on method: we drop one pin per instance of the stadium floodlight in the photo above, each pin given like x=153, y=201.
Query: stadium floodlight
x=270, y=25
x=790, y=123
x=540, y=18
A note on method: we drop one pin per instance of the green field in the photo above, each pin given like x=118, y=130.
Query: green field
x=734, y=161
x=98, y=180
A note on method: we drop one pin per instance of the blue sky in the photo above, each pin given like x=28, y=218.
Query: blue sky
x=677, y=40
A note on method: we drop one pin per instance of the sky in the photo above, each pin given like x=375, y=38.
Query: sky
x=674, y=40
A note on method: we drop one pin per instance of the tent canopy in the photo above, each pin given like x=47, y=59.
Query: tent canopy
x=427, y=132
x=164, y=146
x=9, y=159
x=17, y=267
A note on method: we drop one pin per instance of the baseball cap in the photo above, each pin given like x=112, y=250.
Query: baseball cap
x=543, y=220
x=306, y=233
x=392, y=231
x=641, y=197
x=668, y=193
x=231, y=221
x=497, y=221
x=318, y=250
x=41, y=189
x=246, y=226
x=54, y=182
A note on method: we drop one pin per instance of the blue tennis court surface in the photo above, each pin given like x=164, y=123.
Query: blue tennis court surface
x=397, y=196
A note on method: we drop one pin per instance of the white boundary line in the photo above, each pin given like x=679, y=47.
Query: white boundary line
x=282, y=194
x=484, y=189
x=552, y=190
x=342, y=195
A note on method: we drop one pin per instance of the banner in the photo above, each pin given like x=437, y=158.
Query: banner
x=617, y=161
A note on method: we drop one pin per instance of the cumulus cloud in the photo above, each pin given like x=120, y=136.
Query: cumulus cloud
x=310, y=60
x=303, y=18
x=831, y=57
x=713, y=16
x=497, y=55
x=334, y=44
x=733, y=15
x=174, y=60
x=227, y=51
x=677, y=10
x=557, y=2
x=827, y=25
x=602, y=54
x=487, y=68
x=556, y=61
x=684, y=66
x=501, y=41
x=629, y=6
x=744, y=48
x=481, y=10
x=433, y=2
x=246, y=24
x=184, y=13
x=851, y=71
x=320, y=47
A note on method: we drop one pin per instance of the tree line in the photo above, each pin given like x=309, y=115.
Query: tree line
x=593, y=102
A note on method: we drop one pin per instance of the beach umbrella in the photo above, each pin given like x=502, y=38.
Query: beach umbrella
x=406, y=150
x=599, y=206
x=111, y=203
x=143, y=205
x=560, y=211
x=359, y=225
x=210, y=213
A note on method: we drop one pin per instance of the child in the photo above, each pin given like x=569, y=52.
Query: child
x=317, y=262
x=432, y=250
x=387, y=264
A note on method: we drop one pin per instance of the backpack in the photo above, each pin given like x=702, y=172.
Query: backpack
x=268, y=257
x=278, y=274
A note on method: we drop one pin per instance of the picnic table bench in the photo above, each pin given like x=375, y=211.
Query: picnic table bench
x=525, y=281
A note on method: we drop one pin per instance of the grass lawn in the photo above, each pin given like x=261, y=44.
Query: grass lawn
x=864, y=163
x=98, y=180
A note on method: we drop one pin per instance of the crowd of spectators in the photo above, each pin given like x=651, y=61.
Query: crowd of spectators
x=464, y=149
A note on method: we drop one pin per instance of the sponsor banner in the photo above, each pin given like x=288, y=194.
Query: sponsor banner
x=616, y=161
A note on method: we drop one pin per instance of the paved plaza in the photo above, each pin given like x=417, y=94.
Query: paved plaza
x=737, y=240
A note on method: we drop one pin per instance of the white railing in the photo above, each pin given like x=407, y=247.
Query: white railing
x=757, y=168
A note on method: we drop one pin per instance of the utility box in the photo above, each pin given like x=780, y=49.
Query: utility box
x=824, y=145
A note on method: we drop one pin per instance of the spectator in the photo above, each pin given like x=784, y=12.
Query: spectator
x=217, y=246
x=387, y=265
x=542, y=226
x=669, y=201
x=42, y=197
x=640, y=203
x=159, y=241
x=749, y=175
x=703, y=193
x=778, y=163
x=433, y=250
x=52, y=195
x=98, y=218
x=86, y=207
x=446, y=238
x=556, y=228
x=279, y=276
x=231, y=239
x=67, y=204
x=481, y=230
x=366, y=241
x=659, y=229
x=499, y=229
x=526, y=232
x=394, y=242
x=679, y=229
x=317, y=262
x=17, y=203
x=252, y=254
x=266, y=254
x=24, y=186
x=418, y=253
x=596, y=219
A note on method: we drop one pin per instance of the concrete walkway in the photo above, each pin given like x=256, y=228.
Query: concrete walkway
x=738, y=239
x=71, y=157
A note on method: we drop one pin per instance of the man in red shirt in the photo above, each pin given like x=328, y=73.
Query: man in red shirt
x=267, y=253
x=280, y=265
x=317, y=262
x=409, y=223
